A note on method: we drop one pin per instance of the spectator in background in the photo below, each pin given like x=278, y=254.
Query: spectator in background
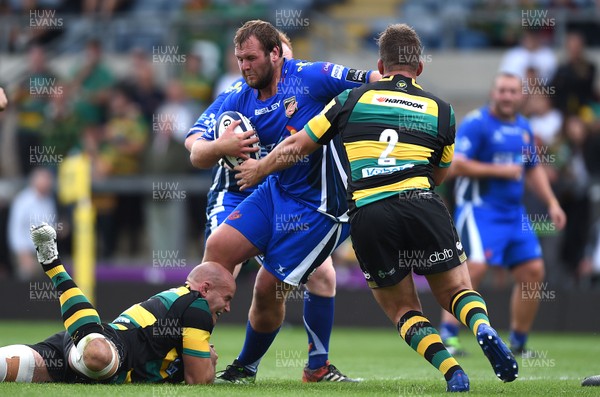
x=32, y=205
x=31, y=100
x=231, y=74
x=574, y=79
x=90, y=85
x=196, y=85
x=42, y=27
x=177, y=110
x=531, y=53
x=167, y=157
x=546, y=122
x=63, y=128
x=126, y=137
x=93, y=144
x=141, y=86
x=572, y=182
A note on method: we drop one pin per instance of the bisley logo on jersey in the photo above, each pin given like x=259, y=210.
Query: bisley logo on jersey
x=409, y=104
x=267, y=109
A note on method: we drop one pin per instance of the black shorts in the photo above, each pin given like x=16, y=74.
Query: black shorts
x=55, y=351
x=412, y=231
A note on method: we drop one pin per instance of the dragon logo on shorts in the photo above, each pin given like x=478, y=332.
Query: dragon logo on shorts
x=234, y=215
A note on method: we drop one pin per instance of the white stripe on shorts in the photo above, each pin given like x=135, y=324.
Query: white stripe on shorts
x=467, y=219
x=296, y=275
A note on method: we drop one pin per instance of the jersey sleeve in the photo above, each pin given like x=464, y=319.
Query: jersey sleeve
x=448, y=149
x=205, y=125
x=324, y=126
x=326, y=80
x=469, y=136
x=531, y=160
x=197, y=325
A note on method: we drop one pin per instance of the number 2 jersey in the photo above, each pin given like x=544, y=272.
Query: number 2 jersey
x=304, y=88
x=393, y=133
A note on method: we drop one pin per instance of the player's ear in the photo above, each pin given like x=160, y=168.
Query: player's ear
x=380, y=66
x=204, y=287
x=420, y=68
x=275, y=53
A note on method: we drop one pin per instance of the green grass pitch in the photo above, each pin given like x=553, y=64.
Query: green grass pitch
x=386, y=364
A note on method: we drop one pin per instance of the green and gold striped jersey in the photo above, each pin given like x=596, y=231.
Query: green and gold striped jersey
x=393, y=132
x=159, y=331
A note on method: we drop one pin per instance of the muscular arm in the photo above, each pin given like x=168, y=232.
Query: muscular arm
x=537, y=181
x=205, y=153
x=287, y=153
x=439, y=174
x=463, y=166
x=198, y=370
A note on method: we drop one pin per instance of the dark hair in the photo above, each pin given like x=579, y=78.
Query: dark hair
x=265, y=33
x=399, y=45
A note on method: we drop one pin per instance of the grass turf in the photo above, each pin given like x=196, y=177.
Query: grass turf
x=386, y=364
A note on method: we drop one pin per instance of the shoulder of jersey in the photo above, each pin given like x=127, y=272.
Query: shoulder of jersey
x=521, y=119
x=473, y=115
x=237, y=87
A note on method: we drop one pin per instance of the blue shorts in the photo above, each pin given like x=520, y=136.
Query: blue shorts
x=497, y=238
x=293, y=238
x=220, y=205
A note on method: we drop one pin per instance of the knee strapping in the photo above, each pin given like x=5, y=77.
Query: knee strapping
x=77, y=361
x=17, y=363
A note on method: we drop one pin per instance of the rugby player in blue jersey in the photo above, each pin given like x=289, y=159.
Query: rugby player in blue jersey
x=295, y=221
x=496, y=159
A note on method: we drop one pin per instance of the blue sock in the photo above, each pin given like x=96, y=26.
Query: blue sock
x=256, y=345
x=517, y=340
x=318, y=321
x=448, y=330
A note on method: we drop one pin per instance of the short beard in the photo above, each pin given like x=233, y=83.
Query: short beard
x=263, y=82
x=505, y=116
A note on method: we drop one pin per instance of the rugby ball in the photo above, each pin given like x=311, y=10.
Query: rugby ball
x=224, y=120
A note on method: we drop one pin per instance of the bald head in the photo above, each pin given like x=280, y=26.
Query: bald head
x=209, y=271
x=215, y=284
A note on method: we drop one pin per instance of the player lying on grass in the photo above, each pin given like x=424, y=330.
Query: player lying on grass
x=163, y=339
x=398, y=142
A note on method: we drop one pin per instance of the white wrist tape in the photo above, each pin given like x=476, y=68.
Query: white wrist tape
x=76, y=357
x=17, y=363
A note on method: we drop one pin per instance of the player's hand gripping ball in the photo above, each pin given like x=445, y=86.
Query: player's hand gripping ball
x=225, y=119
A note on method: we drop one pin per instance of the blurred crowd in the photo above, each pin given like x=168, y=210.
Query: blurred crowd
x=563, y=107
x=128, y=126
x=133, y=123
